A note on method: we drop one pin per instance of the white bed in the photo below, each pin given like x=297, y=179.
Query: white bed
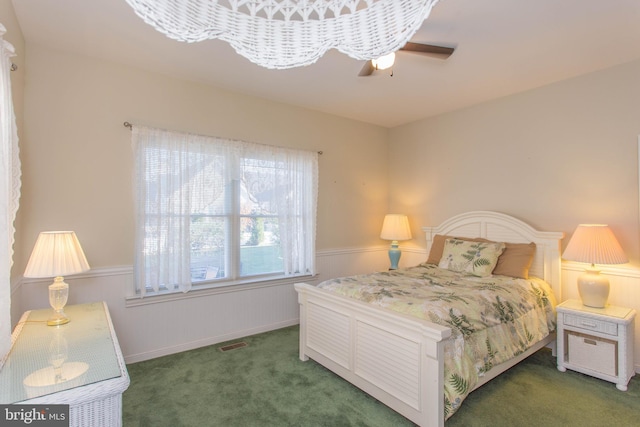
x=378, y=350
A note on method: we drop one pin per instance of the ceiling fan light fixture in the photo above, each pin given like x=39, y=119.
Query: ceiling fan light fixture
x=384, y=62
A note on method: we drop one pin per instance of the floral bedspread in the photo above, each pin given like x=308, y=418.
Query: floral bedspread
x=493, y=319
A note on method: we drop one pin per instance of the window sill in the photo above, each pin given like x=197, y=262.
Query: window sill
x=199, y=291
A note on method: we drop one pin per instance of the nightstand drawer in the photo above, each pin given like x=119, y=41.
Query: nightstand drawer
x=596, y=354
x=590, y=324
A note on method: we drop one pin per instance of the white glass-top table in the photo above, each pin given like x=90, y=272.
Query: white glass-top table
x=78, y=363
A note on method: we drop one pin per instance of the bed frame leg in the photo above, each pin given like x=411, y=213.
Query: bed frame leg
x=302, y=341
x=433, y=384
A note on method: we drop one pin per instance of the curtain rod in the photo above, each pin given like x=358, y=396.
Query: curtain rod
x=130, y=126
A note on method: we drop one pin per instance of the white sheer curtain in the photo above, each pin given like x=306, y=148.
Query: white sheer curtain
x=179, y=174
x=9, y=189
x=297, y=216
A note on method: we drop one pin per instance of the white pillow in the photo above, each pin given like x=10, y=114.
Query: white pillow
x=477, y=258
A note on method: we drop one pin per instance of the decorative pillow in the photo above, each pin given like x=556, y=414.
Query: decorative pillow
x=516, y=260
x=477, y=258
x=437, y=246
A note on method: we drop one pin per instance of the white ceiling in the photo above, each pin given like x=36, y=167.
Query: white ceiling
x=502, y=47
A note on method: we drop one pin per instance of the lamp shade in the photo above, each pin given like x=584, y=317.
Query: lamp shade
x=395, y=227
x=594, y=244
x=56, y=253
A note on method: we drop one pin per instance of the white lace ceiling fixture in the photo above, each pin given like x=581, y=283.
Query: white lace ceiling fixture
x=283, y=34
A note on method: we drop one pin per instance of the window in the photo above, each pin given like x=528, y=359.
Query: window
x=217, y=211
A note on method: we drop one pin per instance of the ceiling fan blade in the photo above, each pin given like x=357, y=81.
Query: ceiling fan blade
x=440, y=52
x=367, y=69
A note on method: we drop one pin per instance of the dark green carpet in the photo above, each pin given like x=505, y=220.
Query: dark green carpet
x=265, y=384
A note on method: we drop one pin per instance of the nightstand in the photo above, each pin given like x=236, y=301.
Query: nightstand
x=596, y=341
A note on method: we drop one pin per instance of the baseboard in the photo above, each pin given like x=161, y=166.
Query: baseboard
x=140, y=357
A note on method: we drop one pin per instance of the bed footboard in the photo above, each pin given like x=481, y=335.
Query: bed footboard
x=395, y=358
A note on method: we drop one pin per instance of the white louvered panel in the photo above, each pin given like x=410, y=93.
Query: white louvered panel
x=537, y=268
x=403, y=377
x=390, y=362
x=403, y=382
x=328, y=333
x=467, y=230
x=501, y=234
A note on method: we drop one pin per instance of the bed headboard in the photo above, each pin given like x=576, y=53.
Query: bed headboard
x=504, y=228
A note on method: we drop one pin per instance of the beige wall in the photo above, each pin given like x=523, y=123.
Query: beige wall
x=555, y=157
x=77, y=171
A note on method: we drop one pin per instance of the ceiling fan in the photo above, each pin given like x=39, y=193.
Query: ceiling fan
x=433, y=51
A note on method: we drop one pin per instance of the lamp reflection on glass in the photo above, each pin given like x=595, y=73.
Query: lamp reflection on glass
x=594, y=244
x=58, y=353
x=57, y=254
x=60, y=374
x=395, y=227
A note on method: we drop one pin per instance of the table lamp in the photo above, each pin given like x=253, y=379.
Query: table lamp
x=395, y=227
x=57, y=254
x=594, y=244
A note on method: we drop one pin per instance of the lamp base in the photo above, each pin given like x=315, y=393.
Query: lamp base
x=58, y=295
x=593, y=288
x=394, y=255
x=58, y=319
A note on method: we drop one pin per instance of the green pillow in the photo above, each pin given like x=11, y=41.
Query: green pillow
x=477, y=258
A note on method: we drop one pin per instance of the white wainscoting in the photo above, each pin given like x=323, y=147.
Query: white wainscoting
x=159, y=328
x=162, y=327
